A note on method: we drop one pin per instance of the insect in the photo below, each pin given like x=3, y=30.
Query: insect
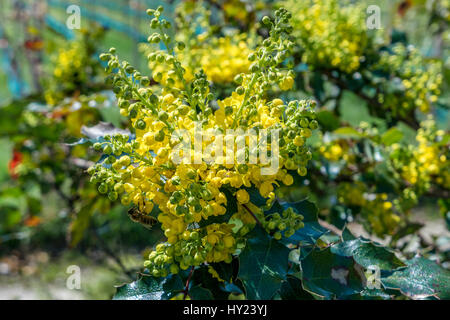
x=137, y=216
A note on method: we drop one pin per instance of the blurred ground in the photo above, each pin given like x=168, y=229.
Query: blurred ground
x=39, y=276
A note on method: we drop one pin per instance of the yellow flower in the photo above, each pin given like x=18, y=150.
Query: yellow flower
x=242, y=196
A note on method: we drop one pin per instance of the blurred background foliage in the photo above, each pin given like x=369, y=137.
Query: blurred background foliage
x=374, y=92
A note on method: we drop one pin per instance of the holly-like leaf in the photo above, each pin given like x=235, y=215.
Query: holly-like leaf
x=150, y=288
x=330, y=276
x=421, y=279
x=367, y=253
x=200, y=293
x=292, y=289
x=263, y=265
x=203, y=286
x=226, y=270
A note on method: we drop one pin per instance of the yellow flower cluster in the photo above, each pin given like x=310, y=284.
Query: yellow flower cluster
x=192, y=166
x=419, y=81
x=331, y=34
x=375, y=208
x=336, y=150
x=69, y=69
x=380, y=215
x=73, y=67
x=224, y=58
x=352, y=194
x=221, y=58
x=428, y=162
x=203, y=182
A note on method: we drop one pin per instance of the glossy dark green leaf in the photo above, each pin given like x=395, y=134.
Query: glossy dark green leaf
x=367, y=253
x=255, y=197
x=421, y=279
x=263, y=265
x=200, y=293
x=203, y=279
x=292, y=289
x=150, y=288
x=330, y=276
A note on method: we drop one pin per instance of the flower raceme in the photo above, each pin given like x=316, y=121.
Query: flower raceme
x=331, y=34
x=193, y=163
x=221, y=57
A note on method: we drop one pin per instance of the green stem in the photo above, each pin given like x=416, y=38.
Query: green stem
x=246, y=96
x=179, y=73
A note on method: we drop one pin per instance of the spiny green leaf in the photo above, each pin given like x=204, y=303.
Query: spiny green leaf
x=150, y=288
x=203, y=279
x=263, y=265
x=329, y=275
x=421, y=279
x=292, y=289
x=367, y=253
x=200, y=293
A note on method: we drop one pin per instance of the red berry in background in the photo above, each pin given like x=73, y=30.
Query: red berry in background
x=14, y=162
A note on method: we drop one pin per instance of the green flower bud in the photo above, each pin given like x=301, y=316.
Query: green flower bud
x=107, y=149
x=240, y=90
x=140, y=124
x=159, y=136
x=163, y=115
x=266, y=20
x=113, y=196
x=103, y=188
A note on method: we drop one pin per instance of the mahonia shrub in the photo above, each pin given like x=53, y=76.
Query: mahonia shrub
x=192, y=199
x=228, y=234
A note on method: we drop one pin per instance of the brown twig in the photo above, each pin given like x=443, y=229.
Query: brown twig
x=186, y=288
x=253, y=215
